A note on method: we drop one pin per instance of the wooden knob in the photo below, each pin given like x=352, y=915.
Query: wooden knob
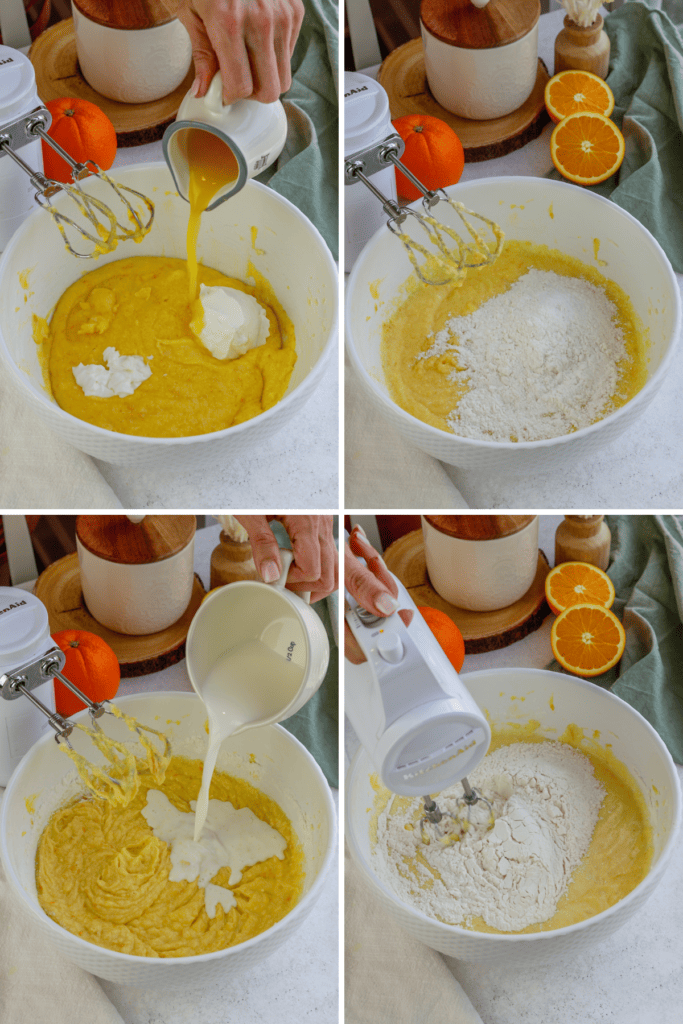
x=116, y=539
x=129, y=14
x=479, y=527
x=460, y=23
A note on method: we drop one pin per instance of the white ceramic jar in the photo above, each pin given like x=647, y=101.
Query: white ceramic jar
x=18, y=97
x=130, y=592
x=486, y=573
x=130, y=64
x=479, y=82
x=367, y=120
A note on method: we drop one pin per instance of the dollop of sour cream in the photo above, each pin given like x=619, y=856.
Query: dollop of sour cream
x=228, y=322
x=121, y=376
x=230, y=838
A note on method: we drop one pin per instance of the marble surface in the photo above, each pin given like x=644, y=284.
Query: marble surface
x=635, y=976
x=296, y=468
x=642, y=469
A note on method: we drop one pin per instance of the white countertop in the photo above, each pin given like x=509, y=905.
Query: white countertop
x=635, y=976
x=642, y=468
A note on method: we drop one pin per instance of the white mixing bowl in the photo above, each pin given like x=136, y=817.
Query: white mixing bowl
x=547, y=212
x=281, y=767
x=288, y=251
x=633, y=741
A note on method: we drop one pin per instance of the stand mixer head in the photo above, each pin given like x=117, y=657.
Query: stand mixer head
x=414, y=716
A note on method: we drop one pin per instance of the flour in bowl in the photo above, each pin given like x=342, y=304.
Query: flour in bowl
x=546, y=802
x=539, y=360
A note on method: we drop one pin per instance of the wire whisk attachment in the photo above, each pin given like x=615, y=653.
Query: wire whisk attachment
x=446, y=252
x=97, y=224
x=449, y=827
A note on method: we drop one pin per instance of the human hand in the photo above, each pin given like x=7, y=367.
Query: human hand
x=315, y=566
x=251, y=42
x=371, y=585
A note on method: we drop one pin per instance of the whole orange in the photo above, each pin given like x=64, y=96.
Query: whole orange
x=84, y=131
x=433, y=153
x=447, y=633
x=91, y=665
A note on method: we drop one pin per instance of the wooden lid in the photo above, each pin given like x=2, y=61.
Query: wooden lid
x=460, y=23
x=116, y=539
x=129, y=13
x=479, y=527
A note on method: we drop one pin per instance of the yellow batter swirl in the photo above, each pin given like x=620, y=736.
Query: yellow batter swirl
x=103, y=875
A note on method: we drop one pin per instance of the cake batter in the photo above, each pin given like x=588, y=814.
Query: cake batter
x=571, y=839
x=102, y=874
x=514, y=379
x=140, y=306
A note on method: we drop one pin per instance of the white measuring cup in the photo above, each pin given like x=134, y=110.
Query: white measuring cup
x=258, y=647
x=255, y=132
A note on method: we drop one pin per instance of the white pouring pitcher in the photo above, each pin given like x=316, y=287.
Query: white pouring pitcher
x=285, y=627
x=255, y=132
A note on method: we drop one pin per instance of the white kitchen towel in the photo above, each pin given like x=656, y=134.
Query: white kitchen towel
x=381, y=469
x=392, y=978
x=37, y=983
x=39, y=470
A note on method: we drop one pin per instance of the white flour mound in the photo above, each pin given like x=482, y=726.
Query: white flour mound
x=540, y=360
x=546, y=801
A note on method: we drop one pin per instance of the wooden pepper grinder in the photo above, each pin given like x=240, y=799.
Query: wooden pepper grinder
x=233, y=559
x=583, y=539
x=582, y=49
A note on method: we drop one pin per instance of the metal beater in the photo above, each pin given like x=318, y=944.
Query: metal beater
x=94, y=211
x=451, y=255
x=29, y=659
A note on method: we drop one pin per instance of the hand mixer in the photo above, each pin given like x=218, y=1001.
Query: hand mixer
x=94, y=211
x=412, y=713
x=451, y=255
x=29, y=659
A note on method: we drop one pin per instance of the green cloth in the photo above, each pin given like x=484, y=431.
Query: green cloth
x=646, y=77
x=316, y=724
x=646, y=568
x=307, y=170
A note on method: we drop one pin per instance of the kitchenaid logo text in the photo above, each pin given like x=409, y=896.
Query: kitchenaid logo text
x=352, y=92
x=290, y=650
x=11, y=606
x=8, y=60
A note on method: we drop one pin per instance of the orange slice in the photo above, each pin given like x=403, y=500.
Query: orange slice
x=577, y=583
x=570, y=92
x=587, y=639
x=587, y=148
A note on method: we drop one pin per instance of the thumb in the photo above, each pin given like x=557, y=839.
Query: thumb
x=264, y=547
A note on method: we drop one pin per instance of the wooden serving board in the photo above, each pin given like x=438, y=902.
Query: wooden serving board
x=53, y=56
x=482, y=631
x=404, y=77
x=59, y=588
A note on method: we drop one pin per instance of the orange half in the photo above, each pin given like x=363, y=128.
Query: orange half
x=587, y=639
x=571, y=92
x=587, y=148
x=577, y=583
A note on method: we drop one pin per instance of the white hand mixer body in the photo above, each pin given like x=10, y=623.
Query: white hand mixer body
x=411, y=711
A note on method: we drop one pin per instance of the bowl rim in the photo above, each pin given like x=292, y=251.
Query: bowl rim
x=308, y=381
x=445, y=437
x=650, y=880
x=61, y=933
